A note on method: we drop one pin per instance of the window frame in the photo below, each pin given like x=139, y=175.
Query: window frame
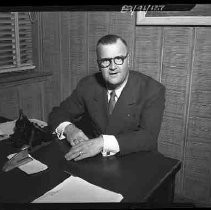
x=17, y=66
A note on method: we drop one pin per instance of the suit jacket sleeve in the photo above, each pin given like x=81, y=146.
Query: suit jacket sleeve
x=71, y=109
x=145, y=138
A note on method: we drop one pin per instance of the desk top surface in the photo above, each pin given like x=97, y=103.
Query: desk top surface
x=135, y=176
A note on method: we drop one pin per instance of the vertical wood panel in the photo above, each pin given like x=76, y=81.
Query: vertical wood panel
x=124, y=25
x=65, y=48
x=172, y=131
x=48, y=95
x=198, y=148
x=9, y=103
x=51, y=52
x=200, y=104
x=37, y=42
x=78, y=46
x=98, y=26
x=176, y=67
x=74, y=49
x=30, y=100
x=197, y=170
x=148, y=51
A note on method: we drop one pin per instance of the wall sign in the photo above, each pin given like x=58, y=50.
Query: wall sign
x=199, y=15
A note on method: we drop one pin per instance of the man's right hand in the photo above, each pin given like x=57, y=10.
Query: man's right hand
x=74, y=135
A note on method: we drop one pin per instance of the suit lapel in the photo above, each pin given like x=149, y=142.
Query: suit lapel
x=126, y=100
x=101, y=105
x=128, y=97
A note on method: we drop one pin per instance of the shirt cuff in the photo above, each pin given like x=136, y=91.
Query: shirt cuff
x=110, y=145
x=60, y=129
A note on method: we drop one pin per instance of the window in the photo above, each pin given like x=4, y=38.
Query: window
x=15, y=41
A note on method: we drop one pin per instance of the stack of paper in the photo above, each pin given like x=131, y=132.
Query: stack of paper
x=31, y=167
x=77, y=190
x=7, y=128
x=3, y=135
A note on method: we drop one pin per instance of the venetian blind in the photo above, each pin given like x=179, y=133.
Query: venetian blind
x=15, y=41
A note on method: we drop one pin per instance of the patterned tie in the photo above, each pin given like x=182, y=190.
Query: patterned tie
x=111, y=102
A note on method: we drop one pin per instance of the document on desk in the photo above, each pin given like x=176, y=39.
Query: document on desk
x=3, y=135
x=34, y=166
x=77, y=190
x=7, y=128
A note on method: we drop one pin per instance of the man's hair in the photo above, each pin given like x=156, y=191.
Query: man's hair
x=110, y=39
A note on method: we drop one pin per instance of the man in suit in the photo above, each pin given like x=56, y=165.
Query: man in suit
x=125, y=107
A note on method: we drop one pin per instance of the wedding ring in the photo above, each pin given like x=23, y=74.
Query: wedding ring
x=80, y=153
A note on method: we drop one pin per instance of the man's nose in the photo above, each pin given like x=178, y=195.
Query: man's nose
x=112, y=65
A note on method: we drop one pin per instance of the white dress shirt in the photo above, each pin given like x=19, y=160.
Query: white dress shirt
x=110, y=145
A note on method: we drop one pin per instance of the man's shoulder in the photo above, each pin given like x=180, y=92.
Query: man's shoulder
x=89, y=78
x=91, y=81
x=145, y=80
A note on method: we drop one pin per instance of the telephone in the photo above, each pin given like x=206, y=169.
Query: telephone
x=29, y=133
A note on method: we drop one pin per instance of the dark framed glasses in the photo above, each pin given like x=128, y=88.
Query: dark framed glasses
x=105, y=62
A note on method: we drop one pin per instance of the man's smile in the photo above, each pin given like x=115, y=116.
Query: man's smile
x=113, y=73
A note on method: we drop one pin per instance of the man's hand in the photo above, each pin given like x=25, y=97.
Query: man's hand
x=74, y=135
x=85, y=149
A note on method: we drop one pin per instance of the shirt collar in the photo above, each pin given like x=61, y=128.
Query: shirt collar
x=119, y=89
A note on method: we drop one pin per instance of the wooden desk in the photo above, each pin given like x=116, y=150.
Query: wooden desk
x=139, y=177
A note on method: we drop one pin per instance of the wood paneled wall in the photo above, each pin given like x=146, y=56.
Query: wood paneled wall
x=179, y=57
x=26, y=94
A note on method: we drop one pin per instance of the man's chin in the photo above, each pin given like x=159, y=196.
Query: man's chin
x=113, y=85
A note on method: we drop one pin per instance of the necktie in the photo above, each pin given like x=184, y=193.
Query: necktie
x=111, y=102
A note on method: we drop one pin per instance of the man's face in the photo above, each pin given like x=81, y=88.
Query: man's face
x=114, y=74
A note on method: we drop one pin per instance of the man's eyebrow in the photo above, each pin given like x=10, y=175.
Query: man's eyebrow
x=112, y=57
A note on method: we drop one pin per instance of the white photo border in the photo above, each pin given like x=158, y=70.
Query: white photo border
x=141, y=19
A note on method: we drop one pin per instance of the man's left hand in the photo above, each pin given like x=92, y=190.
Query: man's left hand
x=85, y=149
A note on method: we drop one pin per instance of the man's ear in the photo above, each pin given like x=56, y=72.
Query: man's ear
x=128, y=60
x=98, y=67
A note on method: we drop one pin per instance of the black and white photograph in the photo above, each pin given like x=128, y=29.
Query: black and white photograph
x=105, y=106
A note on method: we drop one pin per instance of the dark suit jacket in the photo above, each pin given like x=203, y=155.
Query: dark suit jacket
x=136, y=118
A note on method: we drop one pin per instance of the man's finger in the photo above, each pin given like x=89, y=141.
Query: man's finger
x=85, y=137
x=82, y=156
x=82, y=137
x=72, y=154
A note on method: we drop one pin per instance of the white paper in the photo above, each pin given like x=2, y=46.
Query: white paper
x=7, y=128
x=39, y=122
x=31, y=167
x=76, y=190
x=3, y=135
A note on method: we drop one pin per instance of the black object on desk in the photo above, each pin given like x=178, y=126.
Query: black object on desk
x=139, y=177
x=27, y=136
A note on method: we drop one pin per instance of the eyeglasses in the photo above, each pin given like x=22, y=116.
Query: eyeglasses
x=105, y=62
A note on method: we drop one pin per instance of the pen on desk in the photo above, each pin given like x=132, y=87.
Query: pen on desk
x=67, y=172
